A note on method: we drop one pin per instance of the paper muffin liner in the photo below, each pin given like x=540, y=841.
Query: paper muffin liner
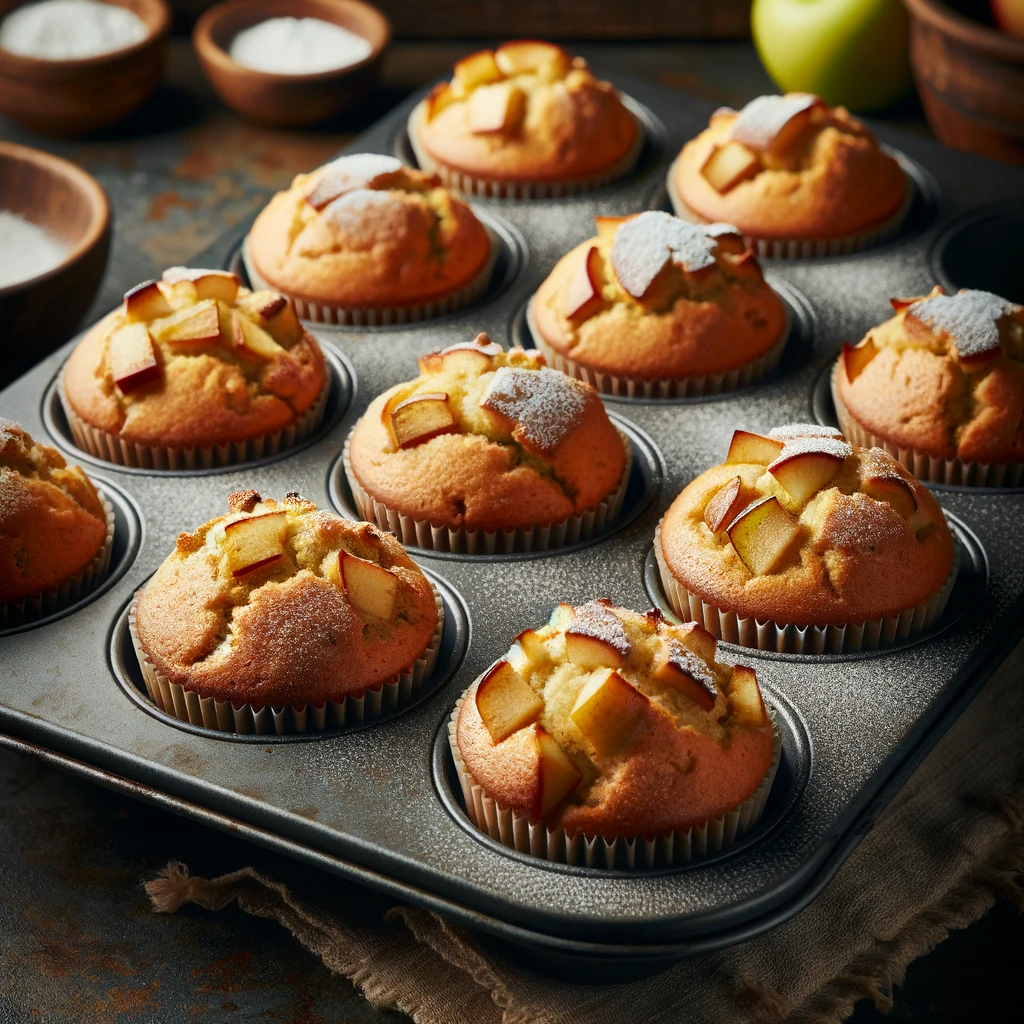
x=477, y=185
x=226, y=716
x=662, y=387
x=930, y=468
x=516, y=831
x=383, y=316
x=807, y=248
x=787, y=638
x=29, y=609
x=103, y=445
x=424, y=534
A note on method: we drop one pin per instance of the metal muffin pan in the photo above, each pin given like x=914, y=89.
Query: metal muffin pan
x=373, y=805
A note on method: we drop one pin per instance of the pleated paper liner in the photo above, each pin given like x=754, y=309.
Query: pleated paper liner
x=111, y=448
x=424, y=534
x=807, y=248
x=662, y=387
x=518, y=832
x=791, y=639
x=30, y=609
x=383, y=316
x=930, y=468
x=470, y=184
x=225, y=716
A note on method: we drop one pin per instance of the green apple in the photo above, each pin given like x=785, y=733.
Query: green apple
x=852, y=53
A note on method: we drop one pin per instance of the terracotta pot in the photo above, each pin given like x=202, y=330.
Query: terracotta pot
x=971, y=79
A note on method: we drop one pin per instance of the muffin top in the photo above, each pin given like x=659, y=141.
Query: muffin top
x=52, y=523
x=285, y=604
x=195, y=360
x=653, y=296
x=526, y=112
x=801, y=527
x=366, y=231
x=789, y=167
x=944, y=376
x=487, y=440
x=613, y=723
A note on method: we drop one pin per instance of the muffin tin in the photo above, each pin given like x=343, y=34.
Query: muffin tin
x=379, y=804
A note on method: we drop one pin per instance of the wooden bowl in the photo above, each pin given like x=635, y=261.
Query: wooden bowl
x=970, y=77
x=73, y=97
x=39, y=314
x=286, y=100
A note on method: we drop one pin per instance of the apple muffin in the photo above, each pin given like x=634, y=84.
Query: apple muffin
x=940, y=386
x=658, y=307
x=194, y=371
x=796, y=176
x=800, y=541
x=56, y=531
x=524, y=121
x=367, y=240
x=488, y=451
x=611, y=725
x=280, y=617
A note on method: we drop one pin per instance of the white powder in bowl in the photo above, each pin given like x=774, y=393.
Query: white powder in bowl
x=26, y=249
x=70, y=29
x=297, y=46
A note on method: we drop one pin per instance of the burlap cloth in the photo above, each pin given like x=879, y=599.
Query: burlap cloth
x=948, y=845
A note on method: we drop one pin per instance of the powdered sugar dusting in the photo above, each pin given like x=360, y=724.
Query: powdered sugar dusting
x=719, y=228
x=855, y=523
x=812, y=446
x=877, y=462
x=543, y=404
x=969, y=318
x=348, y=173
x=789, y=430
x=348, y=210
x=644, y=244
x=686, y=661
x=763, y=118
x=596, y=620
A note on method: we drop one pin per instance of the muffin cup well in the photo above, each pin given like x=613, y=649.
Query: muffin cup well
x=383, y=316
x=496, y=189
x=103, y=445
x=226, y=716
x=848, y=638
x=807, y=248
x=30, y=609
x=424, y=534
x=662, y=387
x=931, y=468
x=516, y=831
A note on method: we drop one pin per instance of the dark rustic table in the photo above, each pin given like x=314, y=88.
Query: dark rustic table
x=78, y=941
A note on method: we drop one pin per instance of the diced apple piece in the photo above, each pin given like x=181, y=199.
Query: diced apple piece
x=590, y=651
x=901, y=304
x=558, y=775
x=728, y=165
x=506, y=702
x=725, y=506
x=763, y=535
x=681, y=669
x=745, y=700
x=146, y=302
x=370, y=588
x=803, y=469
x=533, y=647
x=583, y=289
x=265, y=304
x=252, y=341
x=133, y=360
x=496, y=108
x=441, y=96
x=607, y=226
x=524, y=56
x=255, y=541
x=774, y=123
x=752, y=448
x=421, y=417
x=893, y=489
x=477, y=69
x=855, y=358
x=209, y=284
x=698, y=639
x=197, y=325
x=607, y=710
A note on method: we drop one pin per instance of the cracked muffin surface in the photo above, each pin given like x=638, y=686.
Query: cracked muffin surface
x=285, y=604
x=366, y=231
x=486, y=439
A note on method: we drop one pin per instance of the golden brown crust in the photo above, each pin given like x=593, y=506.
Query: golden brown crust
x=835, y=182
x=691, y=324
x=398, y=240
x=287, y=634
x=857, y=558
x=52, y=523
x=680, y=766
x=482, y=477
x=918, y=393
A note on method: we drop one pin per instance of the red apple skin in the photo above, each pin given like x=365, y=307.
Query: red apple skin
x=146, y=302
x=583, y=289
x=246, y=569
x=142, y=369
x=856, y=357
